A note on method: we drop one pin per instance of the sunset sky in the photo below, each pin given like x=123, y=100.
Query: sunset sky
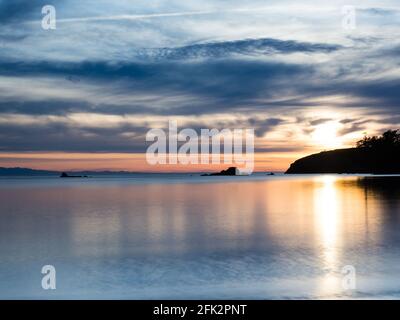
x=84, y=96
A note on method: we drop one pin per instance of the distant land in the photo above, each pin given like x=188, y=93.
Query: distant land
x=26, y=172
x=375, y=155
x=33, y=172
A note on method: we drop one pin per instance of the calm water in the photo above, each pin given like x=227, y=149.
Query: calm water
x=182, y=237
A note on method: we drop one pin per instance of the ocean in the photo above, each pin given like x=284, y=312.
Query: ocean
x=183, y=236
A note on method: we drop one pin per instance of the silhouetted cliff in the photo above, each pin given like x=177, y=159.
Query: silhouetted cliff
x=354, y=160
x=376, y=154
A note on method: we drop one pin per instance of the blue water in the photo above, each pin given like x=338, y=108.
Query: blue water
x=182, y=236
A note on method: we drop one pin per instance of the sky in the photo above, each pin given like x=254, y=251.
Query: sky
x=84, y=95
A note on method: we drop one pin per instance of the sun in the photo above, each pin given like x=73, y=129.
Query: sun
x=326, y=135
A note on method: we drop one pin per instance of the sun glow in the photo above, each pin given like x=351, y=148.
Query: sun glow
x=326, y=135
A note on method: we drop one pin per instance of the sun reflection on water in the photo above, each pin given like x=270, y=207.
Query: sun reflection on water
x=326, y=209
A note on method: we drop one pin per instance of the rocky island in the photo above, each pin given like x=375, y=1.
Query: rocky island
x=375, y=155
x=231, y=171
x=66, y=175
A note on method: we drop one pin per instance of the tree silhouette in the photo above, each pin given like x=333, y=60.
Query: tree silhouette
x=388, y=140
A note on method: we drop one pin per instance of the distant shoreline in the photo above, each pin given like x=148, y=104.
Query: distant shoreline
x=27, y=172
x=17, y=171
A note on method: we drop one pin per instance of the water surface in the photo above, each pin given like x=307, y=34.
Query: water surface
x=191, y=237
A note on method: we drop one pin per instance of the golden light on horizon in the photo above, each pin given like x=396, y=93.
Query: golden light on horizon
x=63, y=161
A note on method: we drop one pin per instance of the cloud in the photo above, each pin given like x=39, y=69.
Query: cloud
x=380, y=11
x=262, y=126
x=319, y=121
x=12, y=11
x=171, y=88
x=378, y=94
x=248, y=47
x=183, y=88
x=226, y=69
x=355, y=126
x=70, y=135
